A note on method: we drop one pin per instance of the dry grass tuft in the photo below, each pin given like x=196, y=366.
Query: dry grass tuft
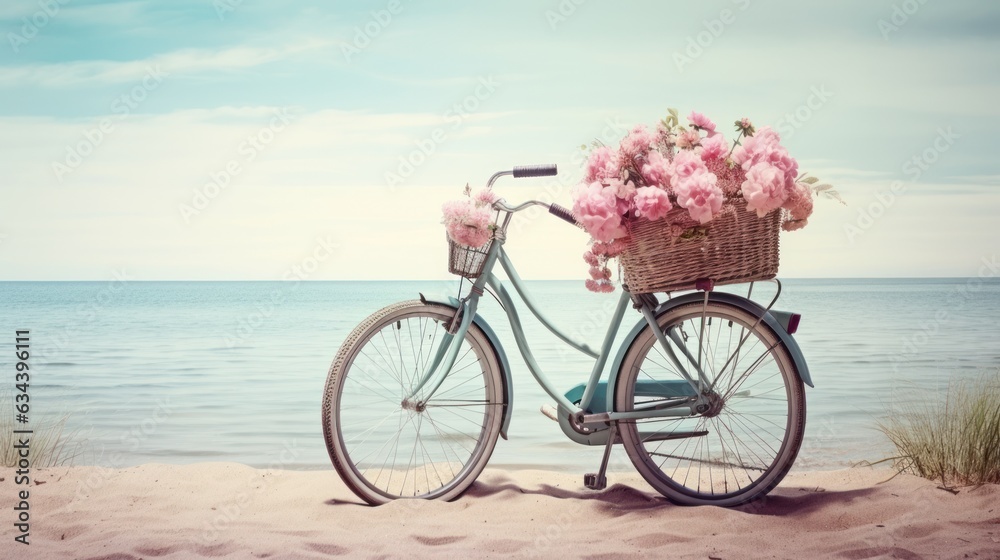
x=956, y=442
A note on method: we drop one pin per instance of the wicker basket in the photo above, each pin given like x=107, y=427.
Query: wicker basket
x=735, y=247
x=467, y=261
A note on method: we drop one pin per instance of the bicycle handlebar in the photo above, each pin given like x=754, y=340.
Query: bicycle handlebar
x=563, y=214
x=543, y=170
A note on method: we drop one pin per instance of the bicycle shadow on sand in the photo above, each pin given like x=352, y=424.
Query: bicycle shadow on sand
x=621, y=499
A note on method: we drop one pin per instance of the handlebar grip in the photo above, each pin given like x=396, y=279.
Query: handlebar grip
x=543, y=170
x=562, y=213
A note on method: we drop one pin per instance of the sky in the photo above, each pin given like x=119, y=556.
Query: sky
x=248, y=140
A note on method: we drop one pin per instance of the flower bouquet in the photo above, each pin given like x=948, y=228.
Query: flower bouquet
x=470, y=225
x=678, y=204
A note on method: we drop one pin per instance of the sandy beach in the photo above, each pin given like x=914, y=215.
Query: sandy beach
x=228, y=510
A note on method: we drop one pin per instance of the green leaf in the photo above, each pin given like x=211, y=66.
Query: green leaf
x=834, y=195
x=810, y=180
x=823, y=187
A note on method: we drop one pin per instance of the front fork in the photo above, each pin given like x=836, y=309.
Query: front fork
x=444, y=356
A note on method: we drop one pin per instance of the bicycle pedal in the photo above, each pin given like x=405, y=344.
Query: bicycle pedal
x=550, y=412
x=595, y=482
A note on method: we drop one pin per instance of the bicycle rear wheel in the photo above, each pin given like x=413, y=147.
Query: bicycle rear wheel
x=745, y=443
x=385, y=448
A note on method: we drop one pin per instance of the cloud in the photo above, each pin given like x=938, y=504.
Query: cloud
x=187, y=61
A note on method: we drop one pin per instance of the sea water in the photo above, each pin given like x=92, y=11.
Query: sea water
x=183, y=372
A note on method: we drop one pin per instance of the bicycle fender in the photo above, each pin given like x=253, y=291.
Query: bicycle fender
x=746, y=305
x=508, y=385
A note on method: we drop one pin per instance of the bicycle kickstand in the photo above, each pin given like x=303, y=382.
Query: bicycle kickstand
x=599, y=480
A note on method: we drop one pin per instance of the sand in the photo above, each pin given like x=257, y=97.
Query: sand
x=226, y=510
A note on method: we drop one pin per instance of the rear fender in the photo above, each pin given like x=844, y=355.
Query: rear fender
x=776, y=320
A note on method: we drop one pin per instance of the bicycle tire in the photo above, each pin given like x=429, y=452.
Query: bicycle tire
x=761, y=412
x=367, y=352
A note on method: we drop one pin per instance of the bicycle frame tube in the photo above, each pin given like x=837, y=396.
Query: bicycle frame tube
x=525, y=349
x=447, y=351
x=515, y=279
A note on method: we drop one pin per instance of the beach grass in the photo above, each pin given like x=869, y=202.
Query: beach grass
x=49, y=444
x=957, y=441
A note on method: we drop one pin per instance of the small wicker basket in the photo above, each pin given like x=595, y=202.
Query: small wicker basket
x=467, y=261
x=733, y=248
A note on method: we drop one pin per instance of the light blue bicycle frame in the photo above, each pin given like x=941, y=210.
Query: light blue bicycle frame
x=447, y=351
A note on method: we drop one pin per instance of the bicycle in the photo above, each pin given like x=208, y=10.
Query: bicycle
x=705, y=393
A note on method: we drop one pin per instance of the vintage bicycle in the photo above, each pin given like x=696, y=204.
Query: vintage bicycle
x=705, y=393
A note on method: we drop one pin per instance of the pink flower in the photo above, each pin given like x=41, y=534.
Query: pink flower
x=609, y=249
x=638, y=141
x=745, y=126
x=764, y=188
x=688, y=139
x=799, y=205
x=486, y=197
x=596, y=208
x=730, y=180
x=686, y=164
x=756, y=148
x=600, y=287
x=765, y=147
x=779, y=158
x=600, y=273
x=590, y=258
x=467, y=224
x=701, y=121
x=602, y=164
x=714, y=148
x=624, y=190
x=652, y=203
x=656, y=171
x=701, y=195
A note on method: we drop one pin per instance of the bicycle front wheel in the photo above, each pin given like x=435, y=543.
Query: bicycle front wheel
x=746, y=441
x=384, y=446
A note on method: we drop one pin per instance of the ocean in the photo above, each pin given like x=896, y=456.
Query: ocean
x=184, y=372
